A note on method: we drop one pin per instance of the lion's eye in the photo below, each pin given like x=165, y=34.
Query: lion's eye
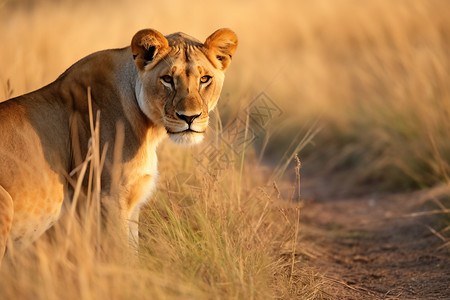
x=167, y=79
x=205, y=79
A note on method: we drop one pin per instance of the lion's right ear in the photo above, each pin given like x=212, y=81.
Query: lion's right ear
x=220, y=46
x=148, y=46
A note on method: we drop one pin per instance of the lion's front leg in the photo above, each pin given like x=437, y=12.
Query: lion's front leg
x=141, y=191
x=133, y=230
x=6, y=218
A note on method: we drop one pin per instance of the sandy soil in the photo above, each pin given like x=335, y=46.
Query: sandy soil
x=375, y=246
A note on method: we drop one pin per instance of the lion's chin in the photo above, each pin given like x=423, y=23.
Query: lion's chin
x=186, y=138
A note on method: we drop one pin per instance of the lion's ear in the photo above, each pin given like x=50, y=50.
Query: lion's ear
x=220, y=47
x=148, y=46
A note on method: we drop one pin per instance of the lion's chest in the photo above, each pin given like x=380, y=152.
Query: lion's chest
x=142, y=177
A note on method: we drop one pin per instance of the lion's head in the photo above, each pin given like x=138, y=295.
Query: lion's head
x=181, y=79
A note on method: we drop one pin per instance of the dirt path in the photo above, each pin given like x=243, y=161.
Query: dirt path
x=368, y=249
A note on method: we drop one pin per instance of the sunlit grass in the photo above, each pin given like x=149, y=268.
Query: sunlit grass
x=212, y=245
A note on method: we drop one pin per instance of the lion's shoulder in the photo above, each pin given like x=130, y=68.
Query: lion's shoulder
x=102, y=64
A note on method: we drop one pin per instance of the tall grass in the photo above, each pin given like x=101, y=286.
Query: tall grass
x=388, y=115
x=214, y=245
x=210, y=250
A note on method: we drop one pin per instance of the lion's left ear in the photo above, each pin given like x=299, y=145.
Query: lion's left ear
x=220, y=47
x=148, y=46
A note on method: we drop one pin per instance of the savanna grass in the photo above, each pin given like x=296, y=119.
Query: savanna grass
x=217, y=237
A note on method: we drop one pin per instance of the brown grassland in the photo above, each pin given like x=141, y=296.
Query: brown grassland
x=363, y=94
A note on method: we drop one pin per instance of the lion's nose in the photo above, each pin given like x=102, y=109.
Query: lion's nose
x=188, y=119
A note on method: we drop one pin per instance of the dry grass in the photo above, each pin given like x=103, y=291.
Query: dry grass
x=216, y=235
x=371, y=75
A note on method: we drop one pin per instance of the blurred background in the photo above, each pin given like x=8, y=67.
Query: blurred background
x=367, y=81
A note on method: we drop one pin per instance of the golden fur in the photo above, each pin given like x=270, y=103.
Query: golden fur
x=158, y=86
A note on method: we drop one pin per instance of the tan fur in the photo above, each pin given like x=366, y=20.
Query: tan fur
x=45, y=134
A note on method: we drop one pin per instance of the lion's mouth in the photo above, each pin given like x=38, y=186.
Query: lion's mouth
x=183, y=131
x=186, y=137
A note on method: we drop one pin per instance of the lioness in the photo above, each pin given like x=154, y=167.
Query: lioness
x=159, y=86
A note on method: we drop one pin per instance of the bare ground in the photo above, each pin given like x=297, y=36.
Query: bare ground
x=375, y=246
